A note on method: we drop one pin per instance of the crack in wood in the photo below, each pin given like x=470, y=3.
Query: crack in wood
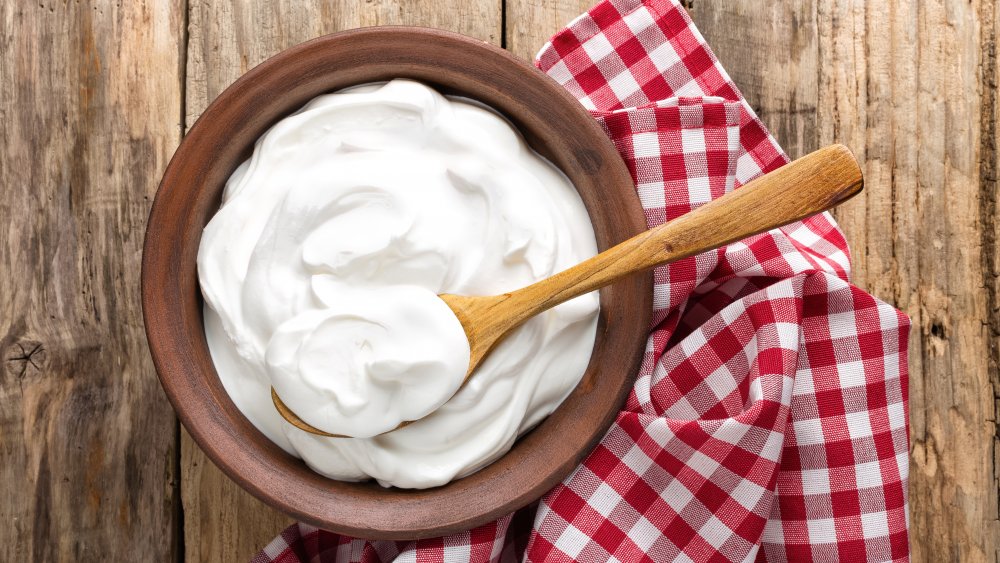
x=31, y=355
x=988, y=185
x=75, y=376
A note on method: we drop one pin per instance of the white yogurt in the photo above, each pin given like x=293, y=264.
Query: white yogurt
x=321, y=272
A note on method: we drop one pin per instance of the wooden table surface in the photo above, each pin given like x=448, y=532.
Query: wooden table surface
x=95, y=96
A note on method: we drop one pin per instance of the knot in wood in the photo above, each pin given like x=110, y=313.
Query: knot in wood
x=25, y=357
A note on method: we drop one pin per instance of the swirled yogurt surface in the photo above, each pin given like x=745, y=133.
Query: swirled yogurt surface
x=322, y=267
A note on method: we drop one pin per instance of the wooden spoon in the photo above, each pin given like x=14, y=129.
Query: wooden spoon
x=812, y=184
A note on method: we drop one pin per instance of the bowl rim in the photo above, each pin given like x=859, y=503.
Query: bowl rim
x=173, y=328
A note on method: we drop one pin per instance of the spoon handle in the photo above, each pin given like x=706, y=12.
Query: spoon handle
x=812, y=184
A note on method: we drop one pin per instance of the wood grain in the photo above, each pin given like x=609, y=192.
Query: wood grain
x=88, y=448
x=228, y=38
x=530, y=23
x=222, y=522
x=771, y=51
x=914, y=104
x=911, y=87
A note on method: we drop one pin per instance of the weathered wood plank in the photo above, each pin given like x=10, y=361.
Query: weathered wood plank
x=228, y=38
x=989, y=219
x=911, y=87
x=771, y=51
x=88, y=446
x=530, y=23
x=904, y=84
x=222, y=522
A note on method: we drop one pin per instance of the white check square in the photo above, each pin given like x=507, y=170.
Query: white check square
x=598, y=47
x=815, y=482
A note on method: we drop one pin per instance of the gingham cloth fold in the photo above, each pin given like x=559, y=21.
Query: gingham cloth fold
x=769, y=418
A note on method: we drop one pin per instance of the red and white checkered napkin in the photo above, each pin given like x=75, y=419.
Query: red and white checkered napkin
x=769, y=418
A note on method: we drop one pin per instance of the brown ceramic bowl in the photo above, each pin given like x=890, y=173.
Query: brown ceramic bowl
x=555, y=125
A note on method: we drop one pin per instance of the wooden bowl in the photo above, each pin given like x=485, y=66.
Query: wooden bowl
x=554, y=123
